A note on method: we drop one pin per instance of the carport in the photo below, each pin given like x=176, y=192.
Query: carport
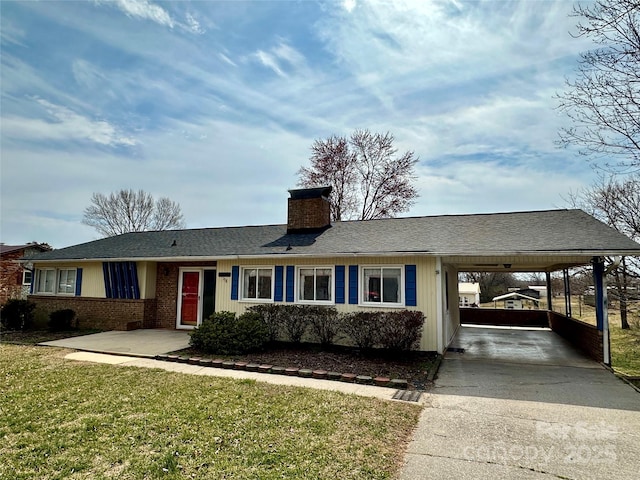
x=545, y=247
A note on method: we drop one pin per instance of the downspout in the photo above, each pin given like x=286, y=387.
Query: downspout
x=439, y=307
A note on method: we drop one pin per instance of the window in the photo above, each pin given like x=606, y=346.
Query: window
x=27, y=276
x=382, y=285
x=45, y=281
x=315, y=284
x=67, y=281
x=257, y=283
x=56, y=281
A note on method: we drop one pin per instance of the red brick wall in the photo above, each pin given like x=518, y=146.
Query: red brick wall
x=502, y=317
x=166, y=295
x=584, y=336
x=10, y=276
x=102, y=313
x=308, y=213
x=167, y=292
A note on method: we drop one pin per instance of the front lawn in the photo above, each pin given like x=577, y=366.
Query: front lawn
x=33, y=337
x=64, y=419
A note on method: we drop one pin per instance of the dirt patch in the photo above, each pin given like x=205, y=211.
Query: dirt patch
x=411, y=366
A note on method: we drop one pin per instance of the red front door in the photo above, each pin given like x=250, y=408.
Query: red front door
x=190, y=299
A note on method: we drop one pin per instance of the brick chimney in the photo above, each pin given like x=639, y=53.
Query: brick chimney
x=309, y=210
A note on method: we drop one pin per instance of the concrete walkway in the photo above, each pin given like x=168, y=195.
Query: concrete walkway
x=137, y=343
x=137, y=348
x=383, y=393
x=544, y=413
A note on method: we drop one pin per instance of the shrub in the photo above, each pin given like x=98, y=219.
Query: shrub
x=294, y=323
x=270, y=314
x=400, y=330
x=362, y=328
x=17, y=314
x=224, y=334
x=61, y=320
x=323, y=321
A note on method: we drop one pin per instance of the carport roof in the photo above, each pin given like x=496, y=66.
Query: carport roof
x=548, y=232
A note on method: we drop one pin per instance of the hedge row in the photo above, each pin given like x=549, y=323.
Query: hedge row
x=18, y=314
x=224, y=333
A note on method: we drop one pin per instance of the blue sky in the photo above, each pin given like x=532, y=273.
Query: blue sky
x=215, y=104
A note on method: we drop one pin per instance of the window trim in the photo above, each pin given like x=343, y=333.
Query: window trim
x=242, y=298
x=381, y=303
x=39, y=271
x=332, y=285
x=26, y=271
x=75, y=281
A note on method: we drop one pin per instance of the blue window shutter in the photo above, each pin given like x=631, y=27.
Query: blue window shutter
x=34, y=278
x=339, y=283
x=411, y=291
x=277, y=294
x=114, y=272
x=134, y=280
x=353, y=284
x=235, y=277
x=78, y=281
x=125, y=278
x=291, y=272
x=107, y=281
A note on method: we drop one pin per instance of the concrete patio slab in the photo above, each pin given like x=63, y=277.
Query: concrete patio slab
x=138, y=343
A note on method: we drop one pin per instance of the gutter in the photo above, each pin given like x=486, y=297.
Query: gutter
x=200, y=258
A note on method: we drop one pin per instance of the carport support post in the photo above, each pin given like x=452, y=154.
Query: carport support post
x=549, y=296
x=567, y=293
x=602, y=313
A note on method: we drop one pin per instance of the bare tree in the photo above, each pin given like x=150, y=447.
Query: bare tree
x=369, y=180
x=129, y=211
x=603, y=102
x=617, y=203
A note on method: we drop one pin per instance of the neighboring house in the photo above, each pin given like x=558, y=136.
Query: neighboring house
x=15, y=276
x=468, y=294
x=519, y=299
x=175, y=279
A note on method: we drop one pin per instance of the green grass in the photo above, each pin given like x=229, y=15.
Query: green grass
x=63, y=419
x=33, y=337
x=625, y=344
x=625, y=350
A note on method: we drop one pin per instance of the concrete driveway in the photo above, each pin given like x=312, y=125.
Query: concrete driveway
x=138, y=343
x=525, y=404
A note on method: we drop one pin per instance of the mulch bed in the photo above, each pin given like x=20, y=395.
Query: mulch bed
x=411, y=366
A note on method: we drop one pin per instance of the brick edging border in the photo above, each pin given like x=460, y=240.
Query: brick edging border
x=396, y=383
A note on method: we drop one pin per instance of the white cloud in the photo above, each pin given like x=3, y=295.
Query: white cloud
x=226, y=59
x=67, y=125
x=145, y=10
x=279, y=54
x=193, y=24
x=269, y=61
x=349, y=5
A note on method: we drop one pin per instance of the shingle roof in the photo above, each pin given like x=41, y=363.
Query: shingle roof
x=14, y=248
x=537, y=232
